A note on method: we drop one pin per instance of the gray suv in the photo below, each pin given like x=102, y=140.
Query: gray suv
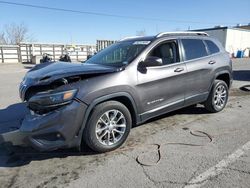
x=138, y=78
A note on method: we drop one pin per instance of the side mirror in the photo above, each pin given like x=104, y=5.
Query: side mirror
x=151, y=61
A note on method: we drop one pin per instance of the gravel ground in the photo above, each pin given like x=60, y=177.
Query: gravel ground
x=223, y=162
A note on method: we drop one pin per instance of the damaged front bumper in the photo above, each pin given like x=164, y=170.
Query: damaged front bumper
x=13, y=138
x=56, y=129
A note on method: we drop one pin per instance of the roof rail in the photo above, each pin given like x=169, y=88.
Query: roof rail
x=133, y=37
x=181, y=33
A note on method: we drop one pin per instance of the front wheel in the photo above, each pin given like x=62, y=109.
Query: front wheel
x=218, y=97
x=108, y=126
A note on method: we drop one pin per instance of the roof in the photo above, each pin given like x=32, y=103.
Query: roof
x=210, y=29
x=139, y=38
x=244, y=27
x=182, y=33
x=223, y=28
x=164, y=34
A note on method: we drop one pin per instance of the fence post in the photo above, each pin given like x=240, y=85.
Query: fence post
x=27, y=52
x=31, y=52
x=2, y=54
x=19, y=54
x=41, y=51
x=32, y=49
x=54, y=56
x=62, y=47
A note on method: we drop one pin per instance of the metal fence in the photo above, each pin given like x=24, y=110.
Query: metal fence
x=10, y=54
x=101, y=44
x=25, y=52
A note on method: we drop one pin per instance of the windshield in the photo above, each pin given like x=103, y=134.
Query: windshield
x=118, y=54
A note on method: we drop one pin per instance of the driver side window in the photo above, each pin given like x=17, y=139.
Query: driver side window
x=167, y=51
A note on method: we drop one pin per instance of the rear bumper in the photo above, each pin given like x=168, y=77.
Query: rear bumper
x=57, y=129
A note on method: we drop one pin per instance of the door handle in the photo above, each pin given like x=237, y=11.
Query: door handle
x=179, y=70
x=211, y=62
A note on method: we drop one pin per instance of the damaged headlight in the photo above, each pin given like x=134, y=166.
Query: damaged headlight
x=47, y=101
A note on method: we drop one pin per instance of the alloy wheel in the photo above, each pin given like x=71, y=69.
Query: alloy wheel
x=110, y=127
x=220, y=96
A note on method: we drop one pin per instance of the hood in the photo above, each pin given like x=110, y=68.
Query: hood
x=48, y=72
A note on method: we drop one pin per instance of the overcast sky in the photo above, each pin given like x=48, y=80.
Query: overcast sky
x=155, y=16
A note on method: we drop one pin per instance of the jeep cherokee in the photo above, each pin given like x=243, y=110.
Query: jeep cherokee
x=127, y=83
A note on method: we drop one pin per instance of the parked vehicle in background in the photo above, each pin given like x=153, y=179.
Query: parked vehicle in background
x=131, y=81
x=65, y=58
x=46, y=58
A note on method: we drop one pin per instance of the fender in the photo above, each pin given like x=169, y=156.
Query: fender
x=100, y=100
x=219, y=73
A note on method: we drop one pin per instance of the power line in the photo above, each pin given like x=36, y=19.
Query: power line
x=105, y=14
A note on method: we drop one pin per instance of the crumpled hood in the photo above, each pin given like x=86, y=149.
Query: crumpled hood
x=48, y=72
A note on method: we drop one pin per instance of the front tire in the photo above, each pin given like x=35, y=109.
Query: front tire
x=218, y=97
x=108, y=126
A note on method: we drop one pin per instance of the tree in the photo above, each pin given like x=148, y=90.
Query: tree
x=15, y=34
x=2, y=38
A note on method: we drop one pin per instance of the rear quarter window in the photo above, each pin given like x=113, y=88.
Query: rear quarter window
x=212, y=47
x=194, y=48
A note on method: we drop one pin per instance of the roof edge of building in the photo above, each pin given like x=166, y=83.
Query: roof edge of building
x=222, y=28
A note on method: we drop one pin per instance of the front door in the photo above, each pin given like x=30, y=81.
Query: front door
x=161, y=88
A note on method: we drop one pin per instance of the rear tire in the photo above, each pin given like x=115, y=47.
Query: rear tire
x=108, y=126
x=218, y=97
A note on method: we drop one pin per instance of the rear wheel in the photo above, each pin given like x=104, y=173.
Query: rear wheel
x=218, y=97
x=108, y=126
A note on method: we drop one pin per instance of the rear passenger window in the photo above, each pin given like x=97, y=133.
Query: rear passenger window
x=194, y=48
x=213, y=48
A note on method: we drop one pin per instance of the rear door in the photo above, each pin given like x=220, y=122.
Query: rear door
x=199, y=70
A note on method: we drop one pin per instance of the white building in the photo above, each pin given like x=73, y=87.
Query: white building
x=233, y=39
